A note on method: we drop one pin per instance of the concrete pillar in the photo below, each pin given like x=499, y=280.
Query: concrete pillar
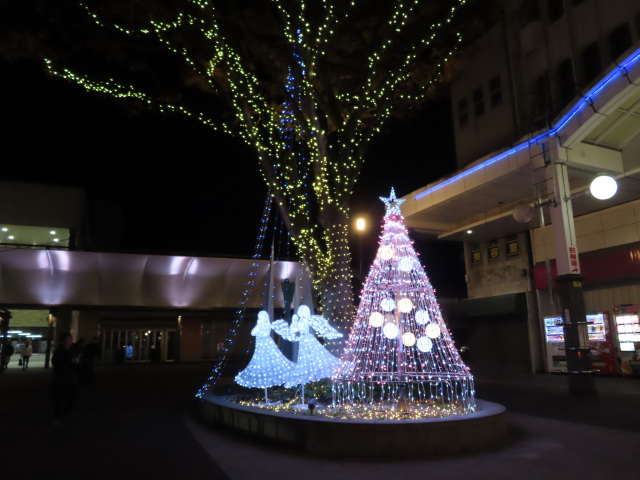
x=576, y=340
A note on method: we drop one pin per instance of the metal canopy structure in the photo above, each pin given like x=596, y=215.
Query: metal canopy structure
x=599, y=133
x=90, y=279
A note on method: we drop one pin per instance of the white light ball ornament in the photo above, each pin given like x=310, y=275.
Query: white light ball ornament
x=387, y=252
x=409, y=339
x=422, y=317
x=388, y=304
x=405, y=264
x=405, y=305
x=433, y=330
x=376, y=319
x=390, y=330
x=424, y=344
x=603, y=187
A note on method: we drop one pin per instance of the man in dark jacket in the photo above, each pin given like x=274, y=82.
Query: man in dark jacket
x=65, y=362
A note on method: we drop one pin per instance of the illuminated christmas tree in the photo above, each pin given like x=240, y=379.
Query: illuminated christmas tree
x=268, y=366
x=399, y=353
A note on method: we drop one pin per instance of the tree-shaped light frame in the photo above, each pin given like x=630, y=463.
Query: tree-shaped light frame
x=399, y=344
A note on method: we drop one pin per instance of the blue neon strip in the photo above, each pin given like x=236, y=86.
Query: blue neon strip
x=585, y=101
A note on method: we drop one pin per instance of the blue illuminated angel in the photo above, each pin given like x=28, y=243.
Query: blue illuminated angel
x=314, y=361
x=268, y=366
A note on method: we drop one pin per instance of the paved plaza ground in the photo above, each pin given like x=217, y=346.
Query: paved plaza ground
x=134, y=423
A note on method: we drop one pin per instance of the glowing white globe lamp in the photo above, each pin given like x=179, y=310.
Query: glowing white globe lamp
x=603, y=187
x=390, y=330
x=387, y=252
x=376, y=319
x=409, y=339
x=388, y=304
x=405, y=264
x=433, y=330
x=405, y=305
x=422, y=317
x=425, y=344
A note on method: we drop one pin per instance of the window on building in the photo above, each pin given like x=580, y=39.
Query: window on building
x=556, y=9
x=478, y=101
x=566, y=82
x=591, y=64
x=463, y=112
x=531, y=11
x=541, y=96
x=495, y=91
x=620, y=40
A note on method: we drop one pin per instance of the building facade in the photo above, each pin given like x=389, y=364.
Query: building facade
x=544, y=102
x=141, y=307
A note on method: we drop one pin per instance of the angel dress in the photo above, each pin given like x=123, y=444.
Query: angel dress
x=268, y=366
x=314, y=361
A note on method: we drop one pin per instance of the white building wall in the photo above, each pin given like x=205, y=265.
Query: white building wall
x=608, y=228
x=520, y=52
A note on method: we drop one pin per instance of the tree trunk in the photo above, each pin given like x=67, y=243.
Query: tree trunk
x=333, y=277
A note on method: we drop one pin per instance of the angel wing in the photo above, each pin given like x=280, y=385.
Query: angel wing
x=322, y=327
x=281, y=327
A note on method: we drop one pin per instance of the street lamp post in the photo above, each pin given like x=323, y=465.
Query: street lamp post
x=360, y=226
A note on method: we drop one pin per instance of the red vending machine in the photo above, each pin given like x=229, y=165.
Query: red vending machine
x=628, y=333
x=603, y=358
x=603, y=354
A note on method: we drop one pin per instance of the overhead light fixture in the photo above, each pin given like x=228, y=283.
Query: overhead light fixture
x=469, y=232
x=11, y=237
x=5, y=229
x=52, y=232
x=603, y=187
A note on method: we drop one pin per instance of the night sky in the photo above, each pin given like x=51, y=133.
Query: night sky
x=182, y=188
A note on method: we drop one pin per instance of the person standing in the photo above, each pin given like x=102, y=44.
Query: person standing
x=7, y=351
x=65, y=362
x=26, y=353
x=90, y=353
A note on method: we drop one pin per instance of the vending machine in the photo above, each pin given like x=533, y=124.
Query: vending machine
x=554, y=333
x=603, y=354
x=603, y=358
x=628, y=333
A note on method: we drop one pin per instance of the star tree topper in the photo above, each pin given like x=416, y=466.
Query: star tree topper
x=392, y=203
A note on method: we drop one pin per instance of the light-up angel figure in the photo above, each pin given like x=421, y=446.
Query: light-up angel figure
x=268, y=366
x=314, y=361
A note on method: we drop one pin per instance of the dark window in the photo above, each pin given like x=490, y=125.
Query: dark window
x=620, y=40
x=566, y=82
x=577, y=2
x=556, y=9
x=495, y=91
x=478, y=102
x=591, y=63
x=638, y=25
x=463, y=112
x=531, y=11
x=541, y=97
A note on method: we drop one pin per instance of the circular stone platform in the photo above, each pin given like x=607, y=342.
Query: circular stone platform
x=486, y=428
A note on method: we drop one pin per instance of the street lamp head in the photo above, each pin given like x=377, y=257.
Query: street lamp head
x=603, y=187
x=360, y=224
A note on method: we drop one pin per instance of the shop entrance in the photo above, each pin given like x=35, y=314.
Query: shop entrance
x=123, y=345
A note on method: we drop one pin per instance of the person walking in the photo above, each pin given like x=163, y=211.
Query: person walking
x=26, y=353
x=65, y=362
